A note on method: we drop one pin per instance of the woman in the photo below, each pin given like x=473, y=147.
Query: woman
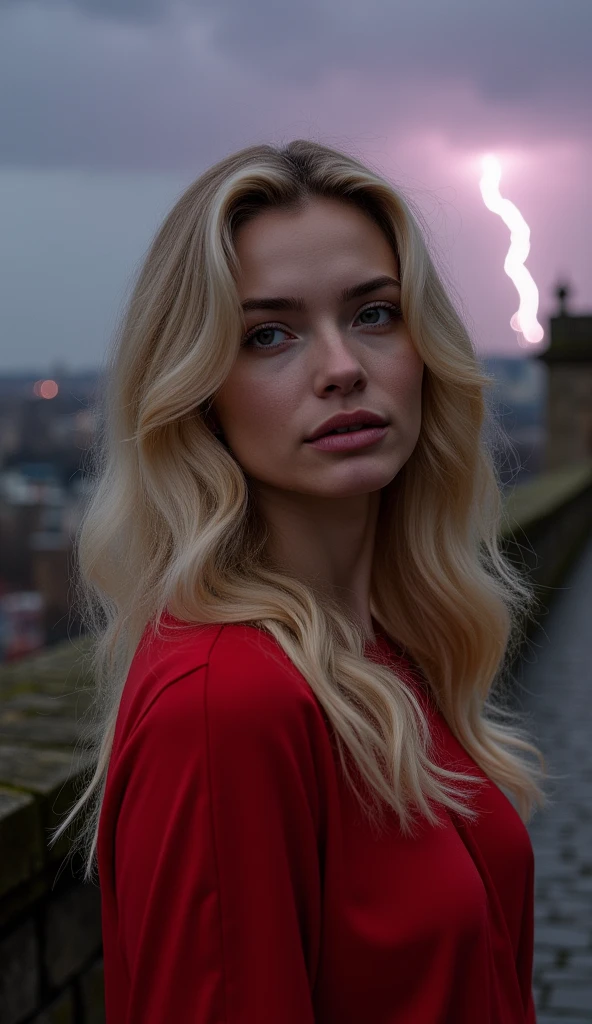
x=297, y=809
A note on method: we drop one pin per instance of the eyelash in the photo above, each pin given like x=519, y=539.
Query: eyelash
x=396, y=315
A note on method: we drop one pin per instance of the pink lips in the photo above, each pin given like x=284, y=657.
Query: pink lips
x=355, y=418
x=349, y=441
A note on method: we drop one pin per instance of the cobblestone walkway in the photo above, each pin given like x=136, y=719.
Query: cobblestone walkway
x=556, y=691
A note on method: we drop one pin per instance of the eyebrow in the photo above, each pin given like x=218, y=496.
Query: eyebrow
x=299, y=305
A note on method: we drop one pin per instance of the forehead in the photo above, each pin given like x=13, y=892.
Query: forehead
x=327, y=239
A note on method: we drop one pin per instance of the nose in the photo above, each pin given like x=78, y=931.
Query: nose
x=336, y=363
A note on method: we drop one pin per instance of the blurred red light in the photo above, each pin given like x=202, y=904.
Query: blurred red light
x=47, y=388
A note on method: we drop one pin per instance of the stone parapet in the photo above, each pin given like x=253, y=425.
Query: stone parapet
x=50, y=922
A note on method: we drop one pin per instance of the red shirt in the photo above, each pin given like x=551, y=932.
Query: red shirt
x=242, y=884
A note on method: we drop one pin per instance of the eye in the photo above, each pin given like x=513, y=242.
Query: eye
x=395, y=313
x=266, y=330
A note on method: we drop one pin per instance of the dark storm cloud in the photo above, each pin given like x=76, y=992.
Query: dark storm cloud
x=121, y=83
x=120, y=10
x=507, y=47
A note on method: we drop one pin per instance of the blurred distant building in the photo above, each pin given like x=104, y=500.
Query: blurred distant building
x=518, y=403
x=39, y=518
x=569, y=387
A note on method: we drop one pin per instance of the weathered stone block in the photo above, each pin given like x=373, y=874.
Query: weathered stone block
x=50, y=775
x=19, y=974
x=64, y=705
x=39, y=771
x=72, y=931
x=20, y=839
x=18, y=727
x=53, y=683
x=17, y=901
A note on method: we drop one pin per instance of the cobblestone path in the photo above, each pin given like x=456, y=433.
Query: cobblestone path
x=556, y=691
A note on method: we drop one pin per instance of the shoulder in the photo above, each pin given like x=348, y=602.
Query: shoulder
x=234, y=675
x=223, y=708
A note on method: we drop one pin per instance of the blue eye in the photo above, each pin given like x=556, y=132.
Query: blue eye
x=269, y=329
x=394, y=312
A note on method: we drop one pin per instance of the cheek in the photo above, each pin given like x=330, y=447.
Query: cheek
x=255, y=407
x=405, y=384
x=270, y=409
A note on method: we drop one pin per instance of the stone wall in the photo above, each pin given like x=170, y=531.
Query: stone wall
x=50, y=922
x=549, y=520
x=50, y=927
x=569, y=414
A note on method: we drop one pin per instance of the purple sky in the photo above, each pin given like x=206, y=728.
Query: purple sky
x=109, y=108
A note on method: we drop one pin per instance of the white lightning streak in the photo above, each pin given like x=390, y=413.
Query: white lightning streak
x=524, y=321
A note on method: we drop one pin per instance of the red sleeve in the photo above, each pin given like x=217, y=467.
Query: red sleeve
x=216, y=859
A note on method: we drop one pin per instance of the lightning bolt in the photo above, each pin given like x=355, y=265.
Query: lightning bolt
x=524, y=321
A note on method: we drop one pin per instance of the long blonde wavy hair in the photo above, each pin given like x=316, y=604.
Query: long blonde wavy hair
x=171, y=524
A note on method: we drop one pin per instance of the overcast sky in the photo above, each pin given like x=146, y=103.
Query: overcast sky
x=109, y=108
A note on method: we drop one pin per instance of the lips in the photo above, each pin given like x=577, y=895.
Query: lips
x=357, y=418
x=351, y=430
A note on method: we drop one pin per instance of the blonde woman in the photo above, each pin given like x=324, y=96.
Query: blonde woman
x=297, y=810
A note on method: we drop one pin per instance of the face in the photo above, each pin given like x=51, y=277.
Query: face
x=298, y=367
